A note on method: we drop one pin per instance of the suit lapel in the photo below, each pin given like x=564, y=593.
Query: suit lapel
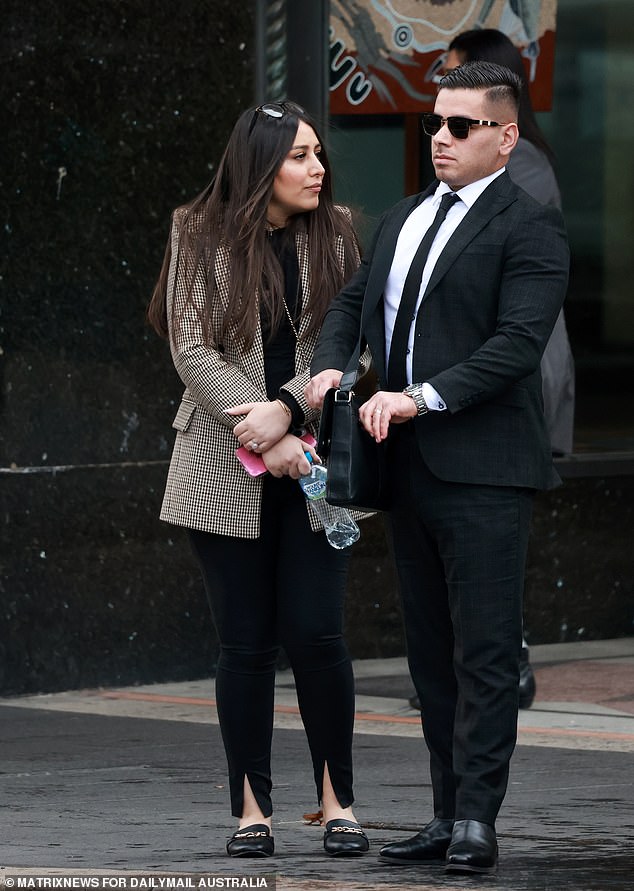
x=384, y=250
x=372, y=321
x=485, y=208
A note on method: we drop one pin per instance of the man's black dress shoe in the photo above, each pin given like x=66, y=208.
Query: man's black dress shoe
x=345, y=838
x=473, y=848
x=527, y=685
x=251, y=841
x=428, y=846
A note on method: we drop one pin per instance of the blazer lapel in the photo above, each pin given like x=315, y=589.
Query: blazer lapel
x=301, y=246
x=251, y=362
x=306, y=345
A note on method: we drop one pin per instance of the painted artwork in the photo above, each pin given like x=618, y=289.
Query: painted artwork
x=386, y=55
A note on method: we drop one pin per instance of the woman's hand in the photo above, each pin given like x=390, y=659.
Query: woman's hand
x=264, y=425
x=287, y=458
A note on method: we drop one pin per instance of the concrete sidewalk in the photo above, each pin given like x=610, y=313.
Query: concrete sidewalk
x=132, y=782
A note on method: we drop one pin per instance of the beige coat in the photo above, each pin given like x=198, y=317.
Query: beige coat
x=207, y=487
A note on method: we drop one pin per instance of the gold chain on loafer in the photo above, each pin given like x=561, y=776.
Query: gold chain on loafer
x=345, y=838
x=251, y=841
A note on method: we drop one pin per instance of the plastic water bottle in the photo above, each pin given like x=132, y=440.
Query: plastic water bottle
x=341, y=530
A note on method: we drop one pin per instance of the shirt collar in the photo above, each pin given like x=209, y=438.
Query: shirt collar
x=468, y=194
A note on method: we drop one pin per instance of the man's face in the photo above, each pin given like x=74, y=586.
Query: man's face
x=459, y=162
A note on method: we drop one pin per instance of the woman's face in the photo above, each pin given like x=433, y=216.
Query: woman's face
x=297, y=185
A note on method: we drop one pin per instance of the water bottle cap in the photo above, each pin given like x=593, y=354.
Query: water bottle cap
x=309, y=457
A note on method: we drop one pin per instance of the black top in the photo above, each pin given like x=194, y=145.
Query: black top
x=279, y=352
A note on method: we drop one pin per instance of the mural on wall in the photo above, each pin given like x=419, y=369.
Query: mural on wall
x=386, y=55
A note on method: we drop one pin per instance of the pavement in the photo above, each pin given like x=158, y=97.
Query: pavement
x=126, y=788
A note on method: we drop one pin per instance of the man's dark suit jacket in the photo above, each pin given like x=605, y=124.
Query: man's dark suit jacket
x=482, y=327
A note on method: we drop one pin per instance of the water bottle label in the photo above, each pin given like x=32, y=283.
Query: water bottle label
x=314, y=489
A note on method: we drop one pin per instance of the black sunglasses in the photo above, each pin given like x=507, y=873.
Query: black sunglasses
x=276, y=110
x=279, y=109
x=458, y=126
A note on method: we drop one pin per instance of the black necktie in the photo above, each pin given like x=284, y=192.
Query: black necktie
x=397, y=369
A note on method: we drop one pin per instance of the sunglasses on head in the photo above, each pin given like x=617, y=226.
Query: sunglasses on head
x=458, y=126
x=275, y=110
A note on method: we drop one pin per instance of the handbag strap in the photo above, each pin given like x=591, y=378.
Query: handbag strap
x=351, y=374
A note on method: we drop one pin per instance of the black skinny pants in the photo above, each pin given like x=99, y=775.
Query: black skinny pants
x=285, y=588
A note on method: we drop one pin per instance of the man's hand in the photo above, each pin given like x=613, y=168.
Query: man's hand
x=318, y=386
x=384, y=409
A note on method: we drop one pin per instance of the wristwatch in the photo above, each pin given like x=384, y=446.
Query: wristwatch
x=416, y=392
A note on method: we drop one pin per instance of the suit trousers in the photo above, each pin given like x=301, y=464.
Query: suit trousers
x=460, y=552
x=283, y=589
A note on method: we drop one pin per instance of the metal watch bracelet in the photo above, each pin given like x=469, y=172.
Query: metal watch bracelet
x=416, y=393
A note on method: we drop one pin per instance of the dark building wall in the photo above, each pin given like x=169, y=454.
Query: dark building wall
x=580, y=571
x=113, y=113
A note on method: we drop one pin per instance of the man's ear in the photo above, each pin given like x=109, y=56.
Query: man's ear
x=510, y=135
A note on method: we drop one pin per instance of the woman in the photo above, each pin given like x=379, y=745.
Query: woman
x=251, y=267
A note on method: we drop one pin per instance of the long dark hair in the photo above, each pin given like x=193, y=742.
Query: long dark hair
x=491, y=45
x=231, y=212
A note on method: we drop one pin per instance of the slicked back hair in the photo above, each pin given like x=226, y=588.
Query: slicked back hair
x=499, y=83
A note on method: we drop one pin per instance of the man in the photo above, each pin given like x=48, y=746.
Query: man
x=460, y=404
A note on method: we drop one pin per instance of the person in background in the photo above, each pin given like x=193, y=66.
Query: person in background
x=456, y=298
x=531, y=166
x=249, y=271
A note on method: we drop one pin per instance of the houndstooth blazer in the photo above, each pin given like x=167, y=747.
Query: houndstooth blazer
x=207, y=487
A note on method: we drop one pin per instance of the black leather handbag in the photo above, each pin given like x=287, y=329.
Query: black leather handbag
x=357, y=466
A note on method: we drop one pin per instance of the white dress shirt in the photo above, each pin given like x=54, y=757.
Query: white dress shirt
x=410, y=236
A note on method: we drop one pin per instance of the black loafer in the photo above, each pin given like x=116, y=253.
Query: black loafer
x=344, y=838
x=473, y=848
x=428, y=846
x=251, y=841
